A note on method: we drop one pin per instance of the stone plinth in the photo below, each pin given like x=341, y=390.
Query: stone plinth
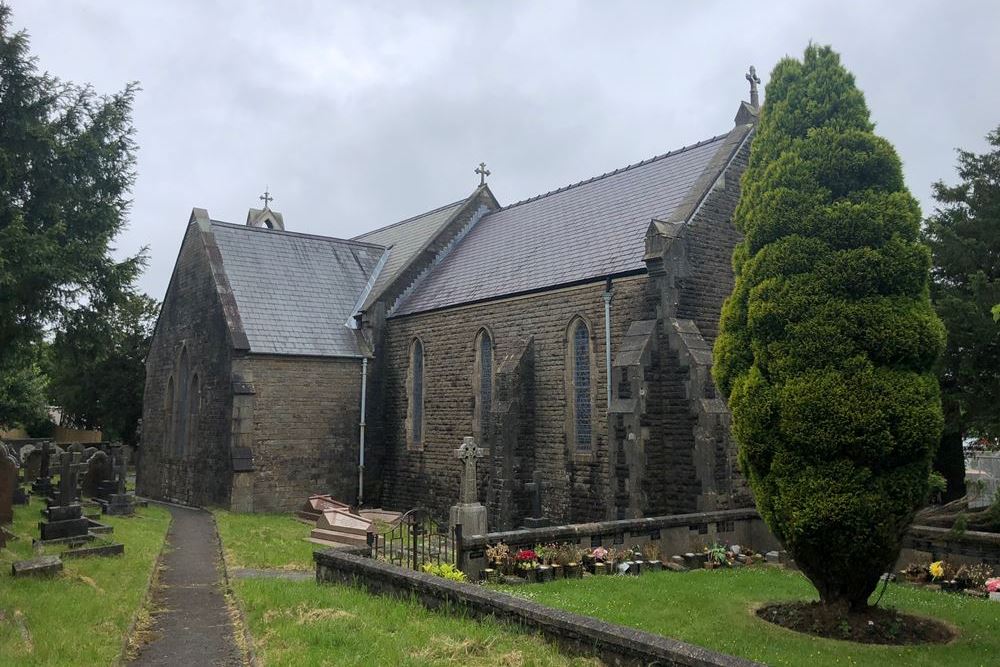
x=120, y=504
x=471, y=516
x=44, y=565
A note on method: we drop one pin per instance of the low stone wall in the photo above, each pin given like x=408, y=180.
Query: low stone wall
x=928, y=543
x=675, y=533
x=614, y=644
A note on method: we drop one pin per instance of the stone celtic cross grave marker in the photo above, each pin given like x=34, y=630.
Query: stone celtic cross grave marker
x=469, y=513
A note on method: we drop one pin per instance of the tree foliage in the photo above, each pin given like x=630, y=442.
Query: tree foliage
x=66, y=165
x=828, y=340
x=97, y=365
x=964, y=237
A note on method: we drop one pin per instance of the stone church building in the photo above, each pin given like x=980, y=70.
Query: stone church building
x=570, y=334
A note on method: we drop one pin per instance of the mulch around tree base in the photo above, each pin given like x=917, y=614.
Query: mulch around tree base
x=875, y=625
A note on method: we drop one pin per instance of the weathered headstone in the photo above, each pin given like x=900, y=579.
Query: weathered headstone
x=534, y=489
x=43, y=565
x=77, y=447
x=8, y=482
x=469, y=512
x=42, y=484
x=120, y=502
x=65, y=519
x=99, y=470
x=88, y=452
x=31, y=460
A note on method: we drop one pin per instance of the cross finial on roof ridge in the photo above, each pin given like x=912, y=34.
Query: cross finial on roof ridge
x=752, y=77
x=266, y=198
x=483, y=173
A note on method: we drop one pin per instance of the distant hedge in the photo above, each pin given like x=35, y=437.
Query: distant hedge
x=827, y=342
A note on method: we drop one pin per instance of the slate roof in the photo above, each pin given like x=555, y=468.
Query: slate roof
x=584, y=231
x=404, y=240
x=295, y=292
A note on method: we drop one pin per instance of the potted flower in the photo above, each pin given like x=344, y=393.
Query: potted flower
x=500, y=558
x=527, y=561
x=600, y=556
x=993, y=588
x=716, y=556
x=651, y=551
x=544, y=569
x=574, y=568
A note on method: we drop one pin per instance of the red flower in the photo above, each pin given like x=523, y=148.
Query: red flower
x=526, y=555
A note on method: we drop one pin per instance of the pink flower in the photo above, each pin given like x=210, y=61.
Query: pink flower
x=993, y=585
x=600, y=553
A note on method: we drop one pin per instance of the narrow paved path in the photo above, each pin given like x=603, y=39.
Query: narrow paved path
x=191, y=624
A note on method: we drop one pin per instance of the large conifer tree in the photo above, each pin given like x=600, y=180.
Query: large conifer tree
x=964, y=237
x=827, y=343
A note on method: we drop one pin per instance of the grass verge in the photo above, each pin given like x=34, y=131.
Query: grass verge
x=264, y=541
x=81, y=616
x=714, y=609
x=302, y=623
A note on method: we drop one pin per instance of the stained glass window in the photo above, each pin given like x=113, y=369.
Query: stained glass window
x=581, y=386
x=417, y=393
x=485, y=382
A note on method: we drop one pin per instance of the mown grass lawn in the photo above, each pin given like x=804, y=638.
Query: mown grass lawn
x=264, y=541
x=304, y=623
x=714, y=609
x=81, y=616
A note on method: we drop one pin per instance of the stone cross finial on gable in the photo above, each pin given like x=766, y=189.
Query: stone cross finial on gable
x=754, y=80
x=266, y=197
x=483, y=173
x=467, y=454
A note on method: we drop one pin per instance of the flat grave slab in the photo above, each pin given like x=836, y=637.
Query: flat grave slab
x=41, y=566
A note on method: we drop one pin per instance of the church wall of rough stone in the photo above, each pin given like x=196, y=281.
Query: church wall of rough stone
x=191, y=318
x=306, y=416
x=574, y=482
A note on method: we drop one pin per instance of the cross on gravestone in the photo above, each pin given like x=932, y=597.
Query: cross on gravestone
x=120, y=467
x=483, y=173
x=467, y=454
x=70, y=469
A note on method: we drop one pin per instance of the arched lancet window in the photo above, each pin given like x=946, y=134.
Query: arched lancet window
x=483, y=383
x=168, y=416
x=415, y=385
x=194, y=408
x=582, y=398
x=182, y=405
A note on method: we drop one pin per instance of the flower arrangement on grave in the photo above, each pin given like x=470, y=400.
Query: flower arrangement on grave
x=993, y=585
x=526, y=559
x=936, y=569
x=716, y=556
x=651, y=552
x=599, y=554
x=500, y=558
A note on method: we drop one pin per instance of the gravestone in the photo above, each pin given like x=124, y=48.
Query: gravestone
x=88, y=452
x=65, y=517
x=31, y=462
x=534, y=489
x=8, y=482
x=99, y=471
x=20, y=497
x=469, y=512
x=120, y=502
x=78, y=447
x=42, y=484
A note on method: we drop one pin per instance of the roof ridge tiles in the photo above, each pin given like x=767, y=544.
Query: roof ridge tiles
x=285, y=232
x=412, y=218
x=629, y=167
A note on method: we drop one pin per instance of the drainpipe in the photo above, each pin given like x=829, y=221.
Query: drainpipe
x=361, y=450
x=608, y=293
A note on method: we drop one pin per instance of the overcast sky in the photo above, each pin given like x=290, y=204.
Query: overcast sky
x=361, y=114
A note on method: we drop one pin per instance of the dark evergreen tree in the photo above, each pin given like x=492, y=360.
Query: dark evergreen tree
x=964, y=237
x=828, y=342
x=66, y=166
x=97, y=367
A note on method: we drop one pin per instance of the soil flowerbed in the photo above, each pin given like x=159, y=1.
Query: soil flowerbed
x=872, y=626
